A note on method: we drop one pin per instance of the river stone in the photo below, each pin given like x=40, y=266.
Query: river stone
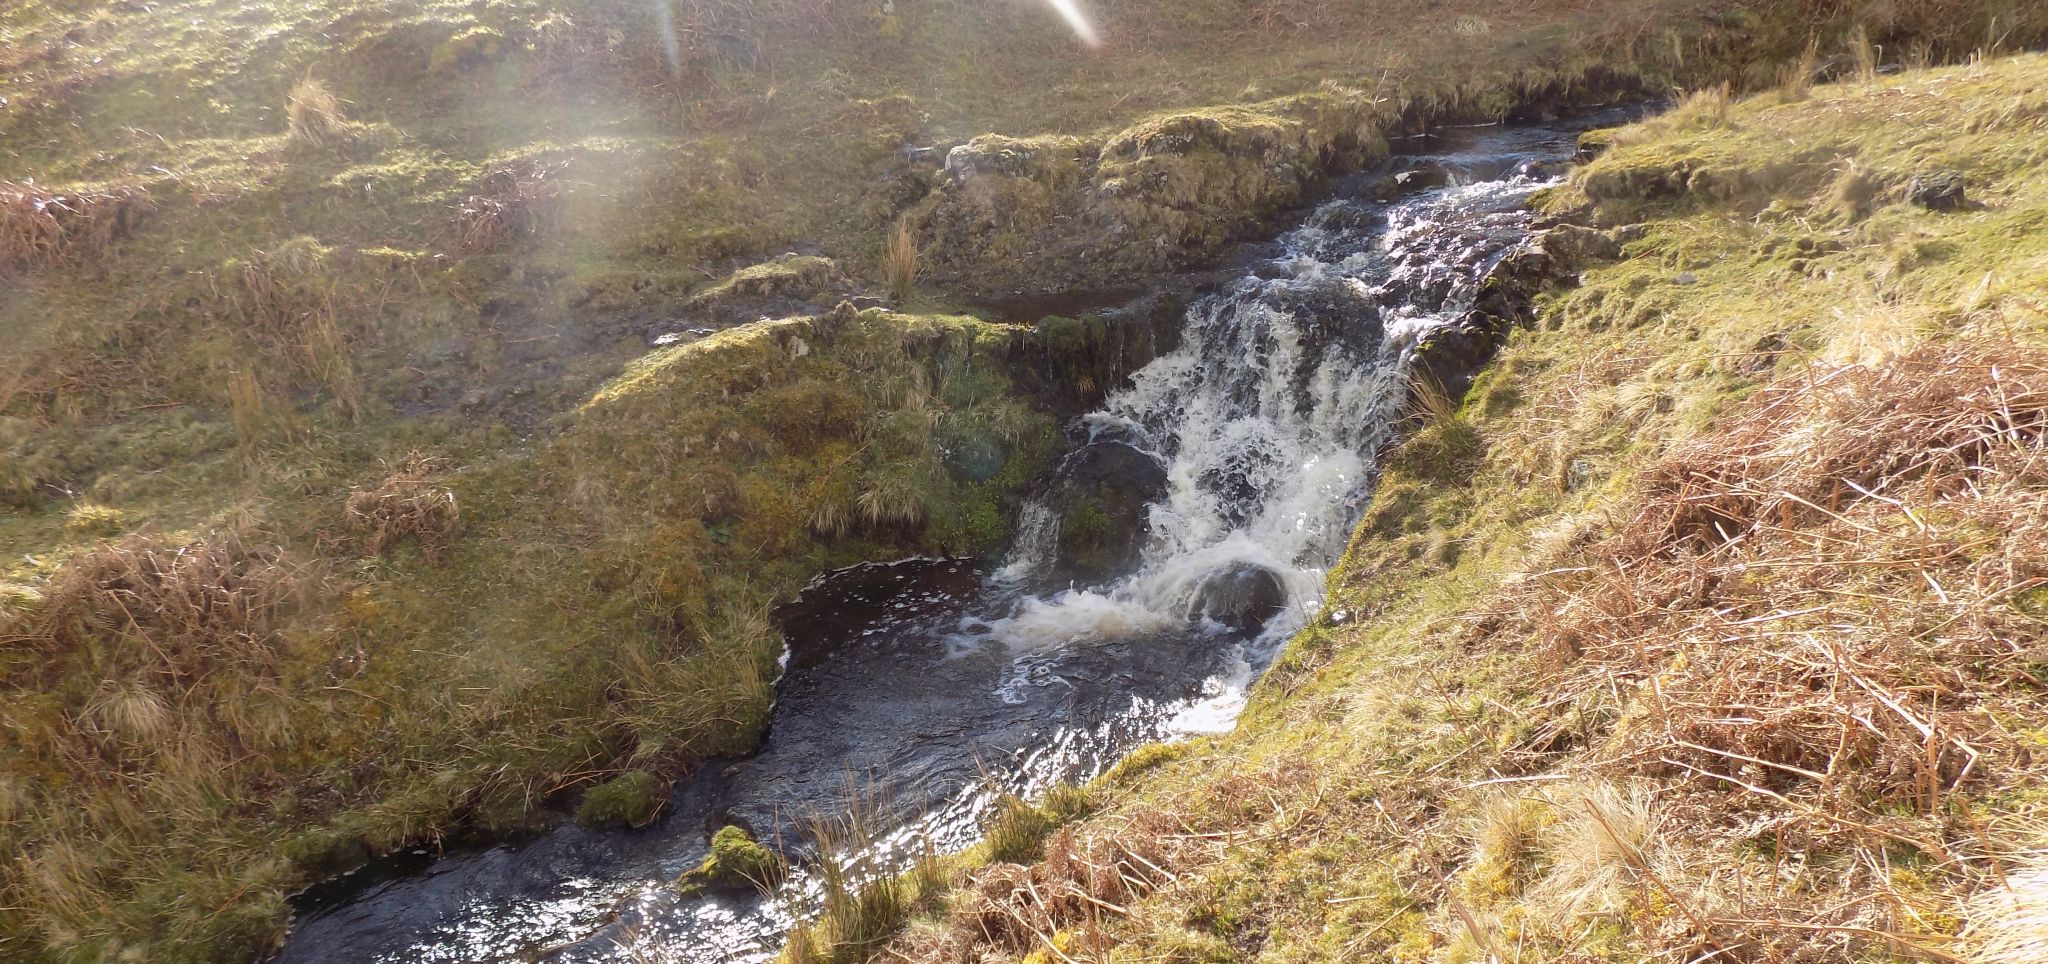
x=1103, y=498
x=1243, y=596
x=1937, y=191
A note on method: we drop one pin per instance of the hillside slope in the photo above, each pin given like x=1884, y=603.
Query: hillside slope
x=1709, y=624
x=412, y=407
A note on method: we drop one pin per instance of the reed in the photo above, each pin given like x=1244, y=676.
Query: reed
x=900, y=261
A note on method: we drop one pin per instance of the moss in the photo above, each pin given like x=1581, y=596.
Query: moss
x=735, y=861
x=789, y=276
x=631, y=799
x=95, y=520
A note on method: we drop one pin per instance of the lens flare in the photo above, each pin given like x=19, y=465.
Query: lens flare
x=1070, y=11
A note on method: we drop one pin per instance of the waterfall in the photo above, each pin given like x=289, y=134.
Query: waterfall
x=1037, y=539
x=1267, y=419
x=1245, y=456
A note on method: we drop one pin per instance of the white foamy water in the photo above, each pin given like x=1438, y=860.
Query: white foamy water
x=1267, y=420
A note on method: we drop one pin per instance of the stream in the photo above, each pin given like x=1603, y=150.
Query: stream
x=922, y=691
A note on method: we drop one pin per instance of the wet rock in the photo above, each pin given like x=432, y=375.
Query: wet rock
x=1070, y=364
x=1414, y=181
x=1452, y=356
x=1103, y=496
x=1937, y=191
x=1244, y=597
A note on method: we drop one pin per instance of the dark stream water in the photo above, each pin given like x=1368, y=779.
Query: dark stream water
x=925, y=689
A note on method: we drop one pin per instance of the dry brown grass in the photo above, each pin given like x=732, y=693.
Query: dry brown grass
x=313, y=115
x=1824, y=610
x=1082, y=881
x=1070, y=903
x=42, y=227
x=900, y=261
x=291, y=308
x=408, y=504
x=510, y=205
x=147, y=608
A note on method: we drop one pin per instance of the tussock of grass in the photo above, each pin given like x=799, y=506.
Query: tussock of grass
x=407, y=505
x=900, y=261
x=509, y=205
x=313, y=115
x=41, y=227
x=174, y=613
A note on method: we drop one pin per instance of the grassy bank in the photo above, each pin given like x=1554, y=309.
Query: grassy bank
x=201, y=717
x=345, y=504
x=1706, y=624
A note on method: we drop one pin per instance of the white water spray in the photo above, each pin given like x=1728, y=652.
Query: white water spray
x=1267, y=419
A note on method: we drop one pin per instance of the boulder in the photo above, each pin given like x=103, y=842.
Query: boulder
x=1102, y=495
x=1937, y=191
x=1242, y=596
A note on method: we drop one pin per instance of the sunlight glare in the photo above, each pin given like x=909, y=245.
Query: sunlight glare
x=1071, y=12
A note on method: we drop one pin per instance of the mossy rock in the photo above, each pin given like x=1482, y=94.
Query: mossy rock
x=628, y=800
x=737, y=861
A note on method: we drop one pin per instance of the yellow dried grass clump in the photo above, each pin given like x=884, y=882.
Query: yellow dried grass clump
x=313, y=114
x=44, y=227
x=406, y=505
x=154, y=609
x=509, y=205
x=900, y=261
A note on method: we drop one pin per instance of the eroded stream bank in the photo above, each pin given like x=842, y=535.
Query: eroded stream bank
x=1183, y=538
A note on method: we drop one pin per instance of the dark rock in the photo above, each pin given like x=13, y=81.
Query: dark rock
x=1592, y=144
x=1243, y=597
x=1937, y=191
x=1452, y=356
x=1103, y=494
x=1409, y=182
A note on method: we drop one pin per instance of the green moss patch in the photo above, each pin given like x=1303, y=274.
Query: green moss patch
x=631, y=799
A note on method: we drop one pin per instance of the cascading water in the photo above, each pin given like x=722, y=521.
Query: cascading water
x=934, y=688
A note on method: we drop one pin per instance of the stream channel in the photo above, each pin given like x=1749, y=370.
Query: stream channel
x=924, y=690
